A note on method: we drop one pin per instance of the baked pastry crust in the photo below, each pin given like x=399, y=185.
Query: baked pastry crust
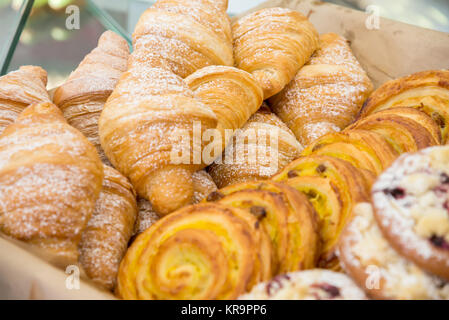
x=273, y=44
x=427, y=91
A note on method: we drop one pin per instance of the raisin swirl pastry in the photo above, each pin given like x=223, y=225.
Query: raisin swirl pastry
x=204, y=251
x=377, y=268
x=363, y=149
x=50, y=180
x=19, y=89
x=410, y=202
x=427, y=91
x=105, y=239
x=298, y=228
x=405, y=129
x=273, y=44
x=314, y=284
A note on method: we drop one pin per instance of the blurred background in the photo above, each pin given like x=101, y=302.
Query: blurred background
x=35, y=32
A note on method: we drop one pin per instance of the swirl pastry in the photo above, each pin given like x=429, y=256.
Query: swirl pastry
x=19, y=89
x=406, y=129
x=411, y=206
x=377, y=268
x=314, y=284
x=427, y=91
x=203, y=185
x=50, y=179
x=273, y=44
x=363, y=149
x=82, y=97
x=205, y=251
x=105, y=240
x=262, y=147
x=326, y=94
x=233, y=95
x=301, y=231
x=183, y=36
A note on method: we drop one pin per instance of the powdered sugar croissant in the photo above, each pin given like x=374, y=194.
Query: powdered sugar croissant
x=50, y=179
x=82, y=97
x=19, y=89
x=326, y=94
x=273, y=44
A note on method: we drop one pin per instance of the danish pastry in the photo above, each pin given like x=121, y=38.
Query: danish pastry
x=273, y=44
x=377, y=268
x=204, y=251
x=302, y=230
x=427, y=91
x=411, y=206
x=326, y=94
x=307, y=285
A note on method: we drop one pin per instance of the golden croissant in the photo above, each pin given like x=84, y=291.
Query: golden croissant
x=326, y=94
x=273, y=44
x=105, y=240
x=262, y=147
x=183, y=36
x=205, y=251
x=82, y=97
x=19, y=89
x=50, y=179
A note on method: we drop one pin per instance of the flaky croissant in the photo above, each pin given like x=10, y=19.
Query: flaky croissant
x=152, y=115
x=19, y=89
x=326, y=94
x=82, y=97
x=262, y=147
x=427, y=91
x=105, y=240
x=183, y=36
x=273, y=44
x=50, y=179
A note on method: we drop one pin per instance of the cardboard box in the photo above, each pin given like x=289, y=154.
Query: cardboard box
x=393, y=50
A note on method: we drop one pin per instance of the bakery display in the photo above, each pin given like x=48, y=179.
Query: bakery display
x=273, y=44
x=50, y=179
x=326, y=94
x=19, y=89
x=230, y=161
x=82, y=97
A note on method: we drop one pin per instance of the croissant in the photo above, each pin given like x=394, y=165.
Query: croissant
x=326, y=94
x=273, y=44
x=19, y=89
x=50, y=179
x=183, y=36
x=105, y=240
x=203, y=185
x=262, y=147
x=82, y=97
x=233, y=94
x=427, y=91
x=287, y=215
x=363, y=149
x=204, y=251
